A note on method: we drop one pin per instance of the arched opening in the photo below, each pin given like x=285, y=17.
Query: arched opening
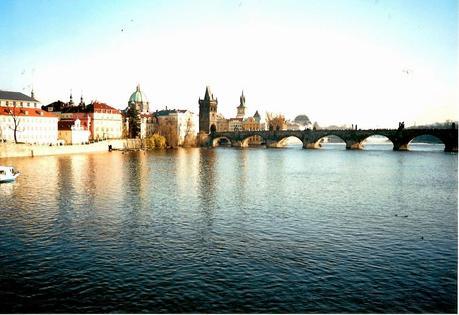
x=377, y=143
x=331, y=142
x=426, y=143
x=254, y=140
x=291, y=142
x=221, y=141
x=213, y=128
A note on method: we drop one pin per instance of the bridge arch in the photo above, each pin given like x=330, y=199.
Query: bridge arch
x=377, y=139
x=255, y=137
x=282, y=142
x=217, y=141
x=426, y=142
x=318, y=141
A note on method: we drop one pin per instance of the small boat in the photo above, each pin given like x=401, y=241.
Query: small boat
x=8, y=174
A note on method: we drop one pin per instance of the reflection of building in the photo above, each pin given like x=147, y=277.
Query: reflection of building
x=177, y=125
x=73, y=131
x=208, y=112
x=33, y=125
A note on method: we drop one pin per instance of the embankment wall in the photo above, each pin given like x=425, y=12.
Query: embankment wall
x=10, y=150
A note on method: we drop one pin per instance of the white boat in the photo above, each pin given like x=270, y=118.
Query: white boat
x=8, y=174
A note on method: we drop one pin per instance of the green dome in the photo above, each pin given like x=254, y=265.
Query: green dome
x=138, y=96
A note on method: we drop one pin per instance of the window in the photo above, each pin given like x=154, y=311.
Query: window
x=14, y=103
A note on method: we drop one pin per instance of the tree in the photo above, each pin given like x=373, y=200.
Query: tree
x=276, y=121
x=134, y=121
x=13, y=112
x=302, y=120
x=168, y=129
x=190, y=137
x=315, y=126
x=155, y=141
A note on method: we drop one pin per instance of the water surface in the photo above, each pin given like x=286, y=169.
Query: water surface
x=230, y=230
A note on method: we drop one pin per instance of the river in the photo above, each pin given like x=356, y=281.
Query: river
x=231, y=230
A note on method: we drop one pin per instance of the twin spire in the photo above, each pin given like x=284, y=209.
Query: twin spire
x=71, y=98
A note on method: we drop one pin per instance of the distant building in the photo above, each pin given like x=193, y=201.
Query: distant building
x=138, y=103
x=235, y=124
x=103, y=121
x=73, y=131
x=179, y=126
x=222, y=123
x=18, y=99
x=208, y=112
x=33, y=125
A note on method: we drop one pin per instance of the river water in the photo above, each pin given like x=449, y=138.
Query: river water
x=231, y=230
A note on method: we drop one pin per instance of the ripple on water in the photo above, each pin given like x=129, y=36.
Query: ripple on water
x=225, y=230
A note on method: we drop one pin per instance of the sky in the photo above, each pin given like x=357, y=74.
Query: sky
x=367, y=62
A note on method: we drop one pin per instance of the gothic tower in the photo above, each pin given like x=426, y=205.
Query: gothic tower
x=208, y=112
x=241, y=108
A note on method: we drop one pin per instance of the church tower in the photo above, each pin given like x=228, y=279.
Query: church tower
x=241, y=108
x=208, y=112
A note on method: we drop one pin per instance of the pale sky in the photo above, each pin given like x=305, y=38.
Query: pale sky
x=373, y=62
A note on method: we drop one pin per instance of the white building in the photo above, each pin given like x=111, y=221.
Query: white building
x=22, y=113
x=73, y=132
x=183, y=122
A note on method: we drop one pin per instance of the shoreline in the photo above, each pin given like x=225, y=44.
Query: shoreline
x=12, y=150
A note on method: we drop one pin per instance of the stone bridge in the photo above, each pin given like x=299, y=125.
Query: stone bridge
x=353, y=138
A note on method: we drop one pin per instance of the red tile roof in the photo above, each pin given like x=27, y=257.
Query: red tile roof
x=22, y=111
x=67, y=124
x=98, y=107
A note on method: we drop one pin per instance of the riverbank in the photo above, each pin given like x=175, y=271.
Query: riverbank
x=11, y=150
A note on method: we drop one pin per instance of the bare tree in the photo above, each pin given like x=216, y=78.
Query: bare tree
x=13, y=113
x=190, y=137
x=168, y=129
x=276, y=121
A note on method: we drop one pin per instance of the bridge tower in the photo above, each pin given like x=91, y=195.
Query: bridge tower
x=208, y=112
x=241, y=108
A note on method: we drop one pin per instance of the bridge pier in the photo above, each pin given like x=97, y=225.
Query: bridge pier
x=400, y=146
x=311, y=145
x=273, y=144
x=239, y=144
x=354, y=145
x=449, y=147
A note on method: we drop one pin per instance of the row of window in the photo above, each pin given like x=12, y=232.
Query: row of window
x=23, y=119
x=18, y=103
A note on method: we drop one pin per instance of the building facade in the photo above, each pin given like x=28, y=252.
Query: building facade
x=73, y=132
x=178, y=126
x=22, y=120
x=103, y=121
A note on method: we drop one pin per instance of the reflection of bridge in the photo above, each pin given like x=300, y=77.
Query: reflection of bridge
x=352, y=138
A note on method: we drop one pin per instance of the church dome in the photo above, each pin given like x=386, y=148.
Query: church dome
x=138, y=96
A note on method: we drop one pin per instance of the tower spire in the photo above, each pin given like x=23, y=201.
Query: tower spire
x=71, y=98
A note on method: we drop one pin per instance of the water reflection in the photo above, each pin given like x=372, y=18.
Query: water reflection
x=207, y=182
x=228, y=230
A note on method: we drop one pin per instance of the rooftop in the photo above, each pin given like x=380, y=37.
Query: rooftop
x=16, y=96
